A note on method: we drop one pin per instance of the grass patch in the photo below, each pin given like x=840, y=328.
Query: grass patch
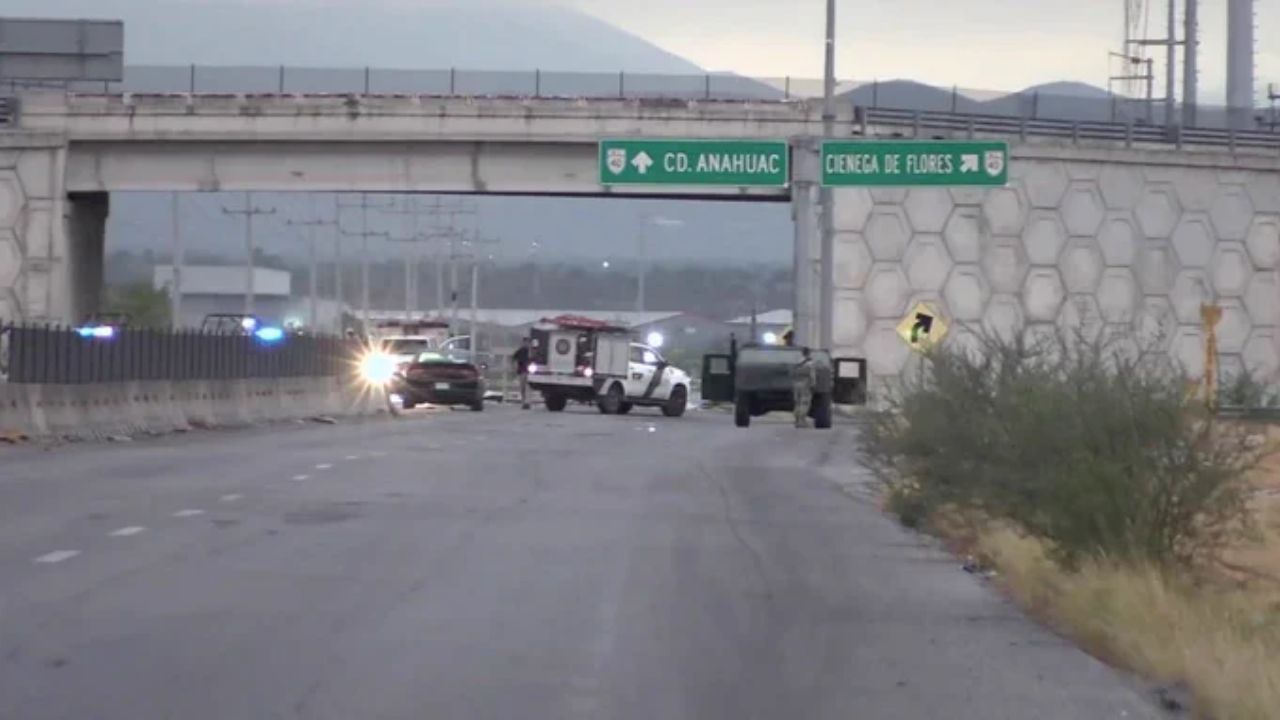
x=1221, y=639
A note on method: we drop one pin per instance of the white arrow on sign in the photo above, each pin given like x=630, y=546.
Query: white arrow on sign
x=642, y=162
x=968, y=163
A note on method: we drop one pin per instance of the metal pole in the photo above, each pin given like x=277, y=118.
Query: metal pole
x=1171, y=61
x=337, y=258
x=1189, y=56
x=364, y=260
x=249, y=248
x=826, y=298
x=640, y=273
x=453, y=289
x=475, y=302
x=438, y=266
x=311, y=252
x=178, y=261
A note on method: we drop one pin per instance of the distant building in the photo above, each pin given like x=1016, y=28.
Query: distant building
x=213, y=289
x=773, y=322
x=687, y=332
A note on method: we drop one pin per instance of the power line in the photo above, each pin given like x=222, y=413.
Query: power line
x=249, y=212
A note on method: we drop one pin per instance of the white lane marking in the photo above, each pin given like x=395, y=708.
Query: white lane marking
x=300, y=478
x=188, y=513
x=324, y=466
x=353, y=457
x=230, y=498
x=126, y=531
x=57, y=556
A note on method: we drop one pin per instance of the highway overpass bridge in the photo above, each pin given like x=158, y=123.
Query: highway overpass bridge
x=1099, y=227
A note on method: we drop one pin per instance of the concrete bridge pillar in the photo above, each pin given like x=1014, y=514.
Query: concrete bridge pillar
x=51, y=244
x=1126, y=244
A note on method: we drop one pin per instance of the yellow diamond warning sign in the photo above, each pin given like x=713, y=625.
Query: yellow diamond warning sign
x=922, y=327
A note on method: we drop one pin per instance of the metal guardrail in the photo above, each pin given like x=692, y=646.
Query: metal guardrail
x=58, y=355
x=925, y=124
x=8, y=111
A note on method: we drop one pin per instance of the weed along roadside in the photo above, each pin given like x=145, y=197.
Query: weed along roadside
x=1106, y=501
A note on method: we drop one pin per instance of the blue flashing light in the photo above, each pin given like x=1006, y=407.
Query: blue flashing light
x=269, y=334
x=98, y=332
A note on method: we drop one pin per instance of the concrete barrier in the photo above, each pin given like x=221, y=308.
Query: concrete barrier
x=122, y=409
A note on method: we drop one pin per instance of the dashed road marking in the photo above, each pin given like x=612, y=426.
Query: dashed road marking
x=230, y=498
x=188, y=513
x=57, y=556
x=353, y=457
x=300, y=478
x=127, y=531
x=324, y=466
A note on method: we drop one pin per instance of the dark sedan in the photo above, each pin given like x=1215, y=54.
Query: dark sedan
x=439, y=379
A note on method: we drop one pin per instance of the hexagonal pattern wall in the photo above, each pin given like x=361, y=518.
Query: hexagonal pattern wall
x=887, y=233
x=927, y=263
x=1081, y=266
x=963, y=234
x=1118, y=248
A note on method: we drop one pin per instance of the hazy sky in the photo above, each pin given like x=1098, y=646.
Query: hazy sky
x=999, y=44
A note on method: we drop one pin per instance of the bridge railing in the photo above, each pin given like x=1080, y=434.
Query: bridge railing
x=948, y=125
x=1060, y=102
x=32, y=353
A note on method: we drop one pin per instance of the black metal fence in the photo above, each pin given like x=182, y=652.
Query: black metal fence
x=53, y=354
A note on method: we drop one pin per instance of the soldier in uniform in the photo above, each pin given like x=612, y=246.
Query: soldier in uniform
x=803, y=378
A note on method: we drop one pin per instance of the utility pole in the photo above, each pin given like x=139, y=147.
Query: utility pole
x=1190, y=33
x=472, y=253
x=364, y=236
x=249, y=212
x=314, y=275
x=826, y=196
x=175, y=309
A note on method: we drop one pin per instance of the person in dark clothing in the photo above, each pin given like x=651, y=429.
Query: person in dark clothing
x=521, y=359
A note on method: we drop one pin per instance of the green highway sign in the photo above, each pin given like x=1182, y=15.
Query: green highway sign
x=751, y=163
x=877, y=163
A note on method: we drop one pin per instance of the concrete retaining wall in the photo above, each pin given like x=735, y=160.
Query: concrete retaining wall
x=1126, y=242
x=103, y=410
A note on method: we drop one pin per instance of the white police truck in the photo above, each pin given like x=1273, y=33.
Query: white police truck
x=583, y=360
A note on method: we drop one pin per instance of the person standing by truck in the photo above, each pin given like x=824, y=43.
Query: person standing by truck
x=803, y=379
x=521, y=360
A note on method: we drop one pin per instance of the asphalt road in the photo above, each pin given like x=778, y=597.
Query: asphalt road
x=500, y=565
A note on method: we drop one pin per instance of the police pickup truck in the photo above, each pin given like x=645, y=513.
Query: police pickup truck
x=583, y=360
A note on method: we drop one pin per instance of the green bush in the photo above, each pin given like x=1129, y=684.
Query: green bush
x=1093, y=450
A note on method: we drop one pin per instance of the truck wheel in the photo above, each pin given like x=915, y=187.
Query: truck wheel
x=555, y=403
x=408, y=404
x=675, y=405
x=611, y=403
x=742, y=410
x=822, y=411
x=477, y=405
x=625, y=408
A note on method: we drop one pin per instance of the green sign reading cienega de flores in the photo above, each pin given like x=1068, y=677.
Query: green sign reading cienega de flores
x=950, y=163
x=742, y=163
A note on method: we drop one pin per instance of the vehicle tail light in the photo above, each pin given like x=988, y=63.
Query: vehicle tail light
x=585, y=372
x=534, y=369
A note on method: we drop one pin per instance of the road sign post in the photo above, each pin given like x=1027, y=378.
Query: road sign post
x=923, y=327
x=881, y=163
x=728, y=163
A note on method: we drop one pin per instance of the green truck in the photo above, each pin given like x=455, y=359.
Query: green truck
x=757, y=380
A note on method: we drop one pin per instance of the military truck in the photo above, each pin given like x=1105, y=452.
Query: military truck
x=757, y=380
